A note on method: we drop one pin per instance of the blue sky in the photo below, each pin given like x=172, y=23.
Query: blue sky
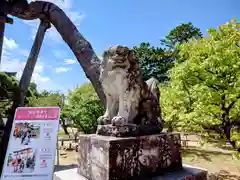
x=106, y=23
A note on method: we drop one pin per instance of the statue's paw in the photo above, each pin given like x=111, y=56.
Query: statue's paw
x=102, y=120
x=118, y=121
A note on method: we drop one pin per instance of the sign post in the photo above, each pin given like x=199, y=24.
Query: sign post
x=58, y=157
x=32, y=144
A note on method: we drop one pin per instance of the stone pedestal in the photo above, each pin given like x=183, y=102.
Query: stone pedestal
x=187, y=173
x=143, y=157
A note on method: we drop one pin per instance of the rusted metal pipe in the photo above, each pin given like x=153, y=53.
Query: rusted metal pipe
x=2, y=29
x=32, y=59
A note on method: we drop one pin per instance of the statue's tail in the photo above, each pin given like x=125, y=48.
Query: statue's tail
x=153, y=87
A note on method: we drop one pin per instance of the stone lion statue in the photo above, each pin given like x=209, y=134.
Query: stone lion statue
x=132, y=105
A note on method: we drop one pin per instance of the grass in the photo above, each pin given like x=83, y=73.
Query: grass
x=61, y=133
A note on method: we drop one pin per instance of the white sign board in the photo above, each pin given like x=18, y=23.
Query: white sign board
x=32, y=144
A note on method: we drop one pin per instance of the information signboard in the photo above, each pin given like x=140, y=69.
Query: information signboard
x=32, y=144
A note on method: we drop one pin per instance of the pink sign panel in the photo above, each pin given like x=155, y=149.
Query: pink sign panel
x=37, y=113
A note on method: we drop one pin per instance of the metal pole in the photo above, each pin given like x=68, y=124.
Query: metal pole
x=58, y=156
x=32, y=60
x=2, y=29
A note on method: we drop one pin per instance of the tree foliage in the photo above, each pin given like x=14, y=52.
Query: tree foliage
x=83, y=107
x=204, y=91
x=181, y=34
x=156, y=61
x=9, y=87
x=45, y=98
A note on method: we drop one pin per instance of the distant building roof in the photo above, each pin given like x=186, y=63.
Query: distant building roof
x=11, y=73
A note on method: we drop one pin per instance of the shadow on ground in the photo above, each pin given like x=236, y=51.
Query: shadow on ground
x=64, y=167
x=209, y=158
x=202, y=153
x=223, y=146
x=223, y=175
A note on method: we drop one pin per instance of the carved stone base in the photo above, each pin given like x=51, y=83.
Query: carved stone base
x=127, y=130
x=108, y=158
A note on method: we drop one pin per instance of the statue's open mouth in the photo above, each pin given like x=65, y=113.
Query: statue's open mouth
x=119, y=59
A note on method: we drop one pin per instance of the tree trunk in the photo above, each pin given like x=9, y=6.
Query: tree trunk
x=64, y=126
x=81, y=48
x=227, y=132
x=226, y=129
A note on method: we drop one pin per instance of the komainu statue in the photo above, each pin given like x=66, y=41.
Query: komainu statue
x=132, y=104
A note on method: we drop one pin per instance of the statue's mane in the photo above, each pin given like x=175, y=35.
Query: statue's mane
x=134, y=69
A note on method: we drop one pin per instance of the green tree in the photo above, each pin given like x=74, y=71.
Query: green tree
x=33, y=88
x=45, y=98
x=154, y=61
x=181, y=34
x=84, y=107
x=205, y=84
x=8, y=91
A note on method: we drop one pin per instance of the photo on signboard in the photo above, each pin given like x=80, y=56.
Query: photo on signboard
x=21, y=161
x=25, y=132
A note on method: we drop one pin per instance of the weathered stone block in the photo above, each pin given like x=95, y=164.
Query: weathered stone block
x=111, y=158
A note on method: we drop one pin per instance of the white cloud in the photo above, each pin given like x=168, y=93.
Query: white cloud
x=59, y=53
x=11, y=48
x=76, y=17
x=23, y=52
x=16, y=65
x=69, y=61
x=52, y=33
x=12, y=63
x=9, y=43
x=62, y=69
x=37, y=78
